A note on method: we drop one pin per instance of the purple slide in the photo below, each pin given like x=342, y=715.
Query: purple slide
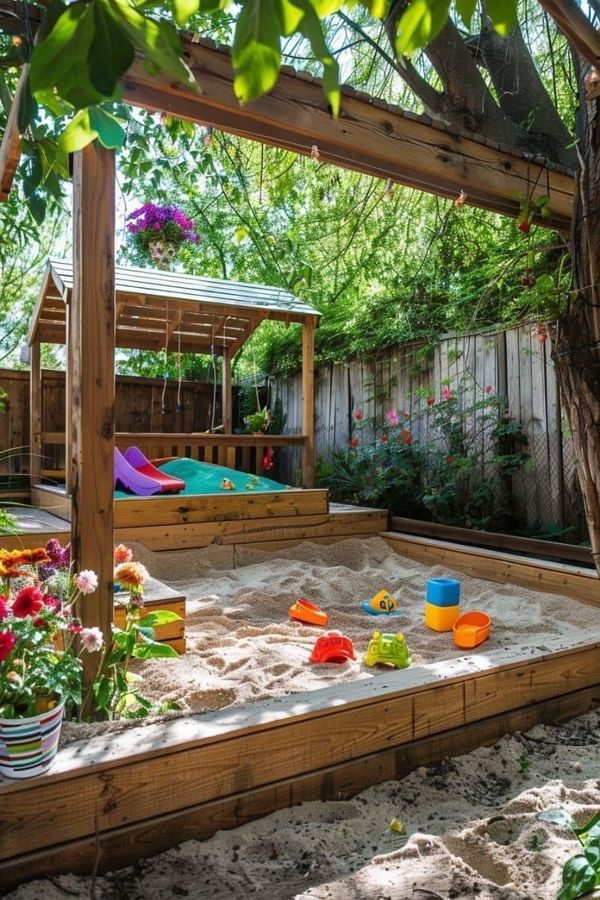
x=133, y=480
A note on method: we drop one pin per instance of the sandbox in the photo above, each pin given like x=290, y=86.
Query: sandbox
x=261, y=729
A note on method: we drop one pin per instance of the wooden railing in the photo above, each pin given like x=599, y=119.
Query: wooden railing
x=244, y=452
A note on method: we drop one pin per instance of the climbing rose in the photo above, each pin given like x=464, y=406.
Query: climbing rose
x=91, y=639
x=489, y=390
x=354, y=442
x=392, y=417
x=358, y=415
x=28, y=602
x=7, y=642
x=86, y=581
x=450, y=460
x=446, y=394
x=406, y=436
x=430, y=401
x=384, y=438
x=406, y=414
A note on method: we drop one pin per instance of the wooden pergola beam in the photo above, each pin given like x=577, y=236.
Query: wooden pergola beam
x=10, y=148
x=576, y=27
x=369, y=136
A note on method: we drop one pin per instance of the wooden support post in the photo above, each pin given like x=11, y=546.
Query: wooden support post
x=308, y=403
x=227, y=397
x=92, y=350
x=35, y=413
x=70, y=366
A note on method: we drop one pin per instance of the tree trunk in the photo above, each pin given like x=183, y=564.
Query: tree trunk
x=576, y=345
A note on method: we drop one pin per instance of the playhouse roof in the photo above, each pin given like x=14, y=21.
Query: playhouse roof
x=186, y=312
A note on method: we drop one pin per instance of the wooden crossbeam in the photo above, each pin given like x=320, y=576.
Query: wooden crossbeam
x=369, y=136
x=10, y=149
x=576, y=27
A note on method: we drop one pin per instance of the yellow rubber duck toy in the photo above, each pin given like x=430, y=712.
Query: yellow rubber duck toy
x=227, y=485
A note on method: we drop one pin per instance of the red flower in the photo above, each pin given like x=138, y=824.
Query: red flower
x=354, y=442
x=3, y=606
x=358, y=415
x=524, y=226
x=406, y=436
x=430, y=401
x=384, y=438
x=28, y=601
x=7, y=642
x=450, y=460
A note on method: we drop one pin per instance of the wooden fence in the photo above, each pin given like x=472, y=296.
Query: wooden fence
x=142, y=405
x=513, y=363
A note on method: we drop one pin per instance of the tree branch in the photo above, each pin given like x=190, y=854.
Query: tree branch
x=576, y=27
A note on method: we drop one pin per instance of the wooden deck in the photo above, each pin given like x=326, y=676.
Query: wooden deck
x=147, y=789
x=275, y=519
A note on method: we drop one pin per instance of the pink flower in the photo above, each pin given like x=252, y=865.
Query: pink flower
x=28, y=602
x=392, y=417
x=354, y=442
x=91, y=639
x=75, y=627
x=406, y=414
x=52, y=603
x=358, y=415
x=123, y=554
x=489, y=390
x=7, y=642
x=446, y=394
x=86, y=581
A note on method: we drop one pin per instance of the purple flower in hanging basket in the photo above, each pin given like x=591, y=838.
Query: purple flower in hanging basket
x=166, y=223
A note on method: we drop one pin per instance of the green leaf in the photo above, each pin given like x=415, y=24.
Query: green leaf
x=578, y=878
x=326, y=7
x=465, y=9
x=291, y=16
x=111, y=52
x=154, y=650
x=256, y=53
x=160, y=617
x=592, y=853
x=109, y=131
x=558, y=817
x=312, y=29
x=37, y=207
x=28, y=108
x=78, y=133
x=421, y=22
x=378, y=8
x=503, y=14
x=183, y=9
x=158, y=40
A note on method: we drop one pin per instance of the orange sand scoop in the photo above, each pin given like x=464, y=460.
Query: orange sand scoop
x=309, y=613
x=471, y=629
x=333, y=647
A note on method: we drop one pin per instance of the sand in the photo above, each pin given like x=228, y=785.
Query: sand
x=471, y=832
x=470, y=823
x=242, y=646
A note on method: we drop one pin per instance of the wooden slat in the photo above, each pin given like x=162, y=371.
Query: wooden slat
x=553, y=578
x=368, y=137
x=308, y=403
x=575, y=25
x=528, y=546
x=125, y=779
x=121, y=847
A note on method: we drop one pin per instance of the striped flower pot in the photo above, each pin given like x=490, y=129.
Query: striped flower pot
x=28, y=746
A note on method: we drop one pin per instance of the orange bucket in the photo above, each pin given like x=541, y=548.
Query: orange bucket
x=471, y=629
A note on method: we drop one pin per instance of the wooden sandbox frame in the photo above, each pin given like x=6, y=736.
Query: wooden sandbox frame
x=110, y=800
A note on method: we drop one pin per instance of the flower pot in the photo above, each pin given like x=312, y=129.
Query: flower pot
x=28, y=746
x=162, y=252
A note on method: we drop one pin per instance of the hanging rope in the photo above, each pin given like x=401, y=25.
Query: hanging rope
x=163, y=408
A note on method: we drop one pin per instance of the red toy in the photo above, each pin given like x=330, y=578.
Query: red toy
x=333, y=647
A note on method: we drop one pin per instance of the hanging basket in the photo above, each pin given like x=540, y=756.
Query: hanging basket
x=162, y=252
x=28, y=746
